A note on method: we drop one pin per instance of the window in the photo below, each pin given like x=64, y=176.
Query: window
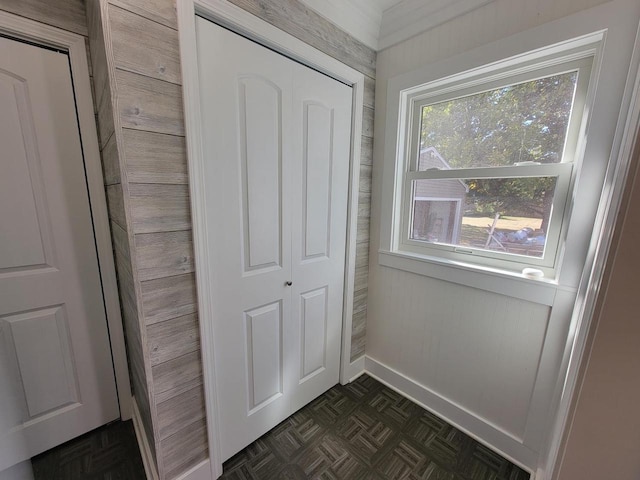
x=487, y=165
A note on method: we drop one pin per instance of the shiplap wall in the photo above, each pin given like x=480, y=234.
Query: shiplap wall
x=471, y=352
x=135, y=51
x=140, y=117
x=118, y=201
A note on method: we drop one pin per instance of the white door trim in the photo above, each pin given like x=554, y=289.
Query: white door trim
x=74, y=44
x=241, y=21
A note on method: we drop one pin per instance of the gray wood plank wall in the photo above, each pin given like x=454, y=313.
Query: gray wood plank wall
x=117, y=188
x=144, y=159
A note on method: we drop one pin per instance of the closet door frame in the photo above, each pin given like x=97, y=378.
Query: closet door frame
x=74, y=44
x=242, y=22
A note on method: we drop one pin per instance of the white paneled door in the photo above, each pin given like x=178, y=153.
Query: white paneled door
x=276, y=143
x=56, y=374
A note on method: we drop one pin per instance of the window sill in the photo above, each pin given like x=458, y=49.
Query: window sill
x=503, y=282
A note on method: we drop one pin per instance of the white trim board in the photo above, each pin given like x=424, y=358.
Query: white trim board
x=74, y=44
x=240, y=21
x=456, y=415
x=143, y=445
x=627, y=132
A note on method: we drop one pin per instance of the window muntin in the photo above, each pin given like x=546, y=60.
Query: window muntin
x=545, y=126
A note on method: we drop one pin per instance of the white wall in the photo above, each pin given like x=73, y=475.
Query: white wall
x=21, y=471
x=486, y=361
x=604, y=434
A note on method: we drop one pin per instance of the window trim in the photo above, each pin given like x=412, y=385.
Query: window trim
x=574, y=55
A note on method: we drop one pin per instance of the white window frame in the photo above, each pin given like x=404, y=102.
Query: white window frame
x=395, y=238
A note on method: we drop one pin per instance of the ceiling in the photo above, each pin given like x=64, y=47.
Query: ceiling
x=380, y=24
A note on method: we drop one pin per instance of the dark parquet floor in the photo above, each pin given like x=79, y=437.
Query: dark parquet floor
x=107, y=453
x=366, y=431
x=361, y=431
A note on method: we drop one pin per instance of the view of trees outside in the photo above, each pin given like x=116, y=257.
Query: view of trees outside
x=520, y=123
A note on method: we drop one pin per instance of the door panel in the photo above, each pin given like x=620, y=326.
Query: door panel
x=56, y=370
x=316, y=195
x=277, y=148
x=264, y=355
x=22, y=236
x=41, y=344
x=321, y=140
x=245, y=113
x=260, y=146
x=313, y=337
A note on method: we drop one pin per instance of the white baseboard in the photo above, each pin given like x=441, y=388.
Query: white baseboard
x=354, y=370
x=464, y=420
x=145, y=450
x=201, y=471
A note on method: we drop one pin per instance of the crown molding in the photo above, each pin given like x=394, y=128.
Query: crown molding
x=412, y=17
x=359, y=18
x=380, y=24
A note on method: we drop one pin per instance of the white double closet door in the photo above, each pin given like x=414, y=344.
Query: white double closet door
x=276, y=142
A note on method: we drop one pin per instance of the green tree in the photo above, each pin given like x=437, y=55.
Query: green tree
x=526, y=122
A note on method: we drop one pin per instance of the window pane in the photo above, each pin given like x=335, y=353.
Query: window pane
x=509, y=215
x=526, y=122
